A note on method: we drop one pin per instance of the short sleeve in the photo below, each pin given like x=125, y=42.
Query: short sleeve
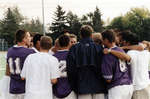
x=106, y=67
x=24, y=70
x=54, y=69
x=132, y=54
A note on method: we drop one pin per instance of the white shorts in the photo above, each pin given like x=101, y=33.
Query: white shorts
x=4, y=87
x=91, y=96
x=121, y=92
x=142, y=94
x=38, y=95
x=72, y=95
x=16, y=96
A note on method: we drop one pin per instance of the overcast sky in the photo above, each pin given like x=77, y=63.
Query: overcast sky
x=109, y=8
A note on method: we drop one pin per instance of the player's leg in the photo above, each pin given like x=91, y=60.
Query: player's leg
x=120, y=92
x=72, y=95
x=98, y=96
x=13, y=96
x=84, y=96
x=20, y=96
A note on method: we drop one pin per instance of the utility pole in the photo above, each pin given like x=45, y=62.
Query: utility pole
x=43, y=17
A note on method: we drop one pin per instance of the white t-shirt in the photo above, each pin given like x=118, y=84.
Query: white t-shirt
x=38, y=70
x=51, y=52
x=139, y=68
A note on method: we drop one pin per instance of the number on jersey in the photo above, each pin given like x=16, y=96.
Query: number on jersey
x=62, y=68
x=123, y=67
x=16, y=64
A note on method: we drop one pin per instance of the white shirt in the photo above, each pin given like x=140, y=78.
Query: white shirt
x=51, y=52
x=38, y=70
x=139, y=68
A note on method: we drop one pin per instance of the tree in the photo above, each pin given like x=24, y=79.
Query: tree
x=117, y=23
x=9, y=25
x=93, y=19
x=97, y=21
x=59, y=23
x=134, y=20
x=137, y=20
x=18, y=16
x=74, y=23
x=33, y=26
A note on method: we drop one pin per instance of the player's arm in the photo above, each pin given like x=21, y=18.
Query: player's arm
x=106, y=68
x=120, y=55
x=7, y=73
x=25, y=66
x=22, y=78
x=53, y=81
x=140, y=47
x=108, y=81
x=54, y=71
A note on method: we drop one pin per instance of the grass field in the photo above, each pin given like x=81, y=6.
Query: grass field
x=2, y=63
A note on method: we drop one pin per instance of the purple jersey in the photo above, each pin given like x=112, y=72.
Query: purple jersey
x=62, y=89
x=61, y=56
x=15, y=59
x=115, y=70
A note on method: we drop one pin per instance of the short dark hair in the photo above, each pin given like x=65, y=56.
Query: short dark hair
x=109, y=35
x=20, y=35
x=37, y=37
x=46, y=42
x=63, y=40
x=130, y=37
x=86, y=31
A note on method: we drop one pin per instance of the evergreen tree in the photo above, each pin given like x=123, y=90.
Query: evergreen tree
x=74, y=23
x=97, y=21
x=33, y=26
x=59, y=23
x=93, y=19
x=9, y=25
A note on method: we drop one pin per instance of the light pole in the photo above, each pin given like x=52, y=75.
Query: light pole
x=43, y=17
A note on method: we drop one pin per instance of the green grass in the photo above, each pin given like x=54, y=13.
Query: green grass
x=2, y=63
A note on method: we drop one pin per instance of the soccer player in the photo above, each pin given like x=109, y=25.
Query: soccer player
x=97, y=38
x=16, y=56
x=36, y=42
x=139, y=67
x=61, y=55
x=115, y=71
x=73, y=39
x=40, y=71
x=84, y=65
x=54, y=49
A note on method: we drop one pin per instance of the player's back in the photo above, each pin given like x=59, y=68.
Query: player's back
x=38, y=73
x=139, y=68
x=15, y=60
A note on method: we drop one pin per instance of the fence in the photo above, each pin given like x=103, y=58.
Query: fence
x=3, y=45
x=2, y=63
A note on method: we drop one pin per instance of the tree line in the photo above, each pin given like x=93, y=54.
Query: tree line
x=136, y=20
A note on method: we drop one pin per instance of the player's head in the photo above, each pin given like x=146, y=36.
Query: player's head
x=23, y=37
x=64, y=41
x=36, y=41
x=97, y=38
x=86, y=31
x=45, y=43
x=109, y=37
x=129, y=38
x=73, y=39
x=31, y=35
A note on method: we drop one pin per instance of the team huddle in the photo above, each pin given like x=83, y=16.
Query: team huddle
x=108, y=65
